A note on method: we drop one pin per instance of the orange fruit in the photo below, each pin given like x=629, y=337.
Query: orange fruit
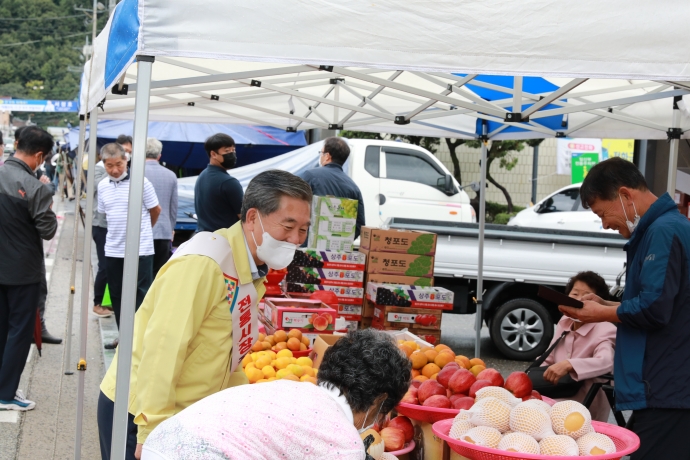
x=421, y=378
x=425, y=348
x=477, y=369
x=262, y=336
x=440, y=347
x=295, y=333
x=284, y=354
x=254, y=374
x=302, y=347
x=262, y=361
x=292, y=377
x=463, y=361
x=270, y=339
x=308, y=371
x=258, y=346
x=280, y=346
x=430, y=369
x=246, y=360
x=415, y=373
x=308, y=378
x=431, y=355
x=419, y=360
x=305, y=341
x=293, y=344
x=405, y=349
x=280, y=336
x=266, y=344
x=433, y=377
x=444, y=358
x=412, y=344
x=477, y=362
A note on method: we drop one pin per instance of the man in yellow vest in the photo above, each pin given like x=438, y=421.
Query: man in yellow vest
x=199, y=317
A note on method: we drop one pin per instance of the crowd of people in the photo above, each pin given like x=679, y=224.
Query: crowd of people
x=197, y=308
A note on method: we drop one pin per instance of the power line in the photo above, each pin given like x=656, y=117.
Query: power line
x=36, y=41
x=43, y=18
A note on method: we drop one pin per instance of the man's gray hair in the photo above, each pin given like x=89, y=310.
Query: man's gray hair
x=267, y=189
x=112, y=150
x=154, y=147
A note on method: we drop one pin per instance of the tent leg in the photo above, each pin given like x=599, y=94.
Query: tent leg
x=535, y=172
x=73, y=274
x=131, y=267
x=643, y=156
x=86, y=281
x=480, y=260
x=673, y=150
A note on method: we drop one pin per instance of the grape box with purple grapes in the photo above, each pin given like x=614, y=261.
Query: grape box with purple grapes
x=325, y=276
x=410, y=296
x=329, y=259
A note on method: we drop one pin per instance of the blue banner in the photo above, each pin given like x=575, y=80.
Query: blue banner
x=35, y=105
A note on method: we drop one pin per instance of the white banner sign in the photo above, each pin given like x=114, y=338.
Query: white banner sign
x=567, y=147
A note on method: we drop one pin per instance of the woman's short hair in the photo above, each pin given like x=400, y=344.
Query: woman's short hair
x=365, y=365
x=595, y=282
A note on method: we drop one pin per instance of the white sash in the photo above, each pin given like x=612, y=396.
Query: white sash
x=242, y=298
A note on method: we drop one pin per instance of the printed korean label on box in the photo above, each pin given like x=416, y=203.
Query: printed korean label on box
x=401, y=317
x=329, y=259
x=410, y=296
x=344, y=294
x=345, y=309
x=334, y=207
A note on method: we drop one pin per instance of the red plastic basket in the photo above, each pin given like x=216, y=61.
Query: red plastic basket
x=424, y=413
x=405, y=450
x=625, y=440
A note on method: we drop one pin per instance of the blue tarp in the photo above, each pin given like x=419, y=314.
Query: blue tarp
x=183, y=143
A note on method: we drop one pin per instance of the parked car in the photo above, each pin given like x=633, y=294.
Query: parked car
x=561, y=210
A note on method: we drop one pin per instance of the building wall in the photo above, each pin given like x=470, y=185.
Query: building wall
x=518, y=180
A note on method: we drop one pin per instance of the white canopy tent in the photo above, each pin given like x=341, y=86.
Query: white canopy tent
x=384, y=67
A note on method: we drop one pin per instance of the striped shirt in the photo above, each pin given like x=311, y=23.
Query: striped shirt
x=113, y=201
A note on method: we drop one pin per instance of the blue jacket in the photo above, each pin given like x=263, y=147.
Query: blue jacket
x=652, y=363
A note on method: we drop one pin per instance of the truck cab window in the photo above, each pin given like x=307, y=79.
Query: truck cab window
x=412, y=169
x=372, y=160
x=565, y=201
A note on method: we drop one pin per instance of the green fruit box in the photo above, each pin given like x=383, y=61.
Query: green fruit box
x=329, y=259
x=345, y=294
x=399, y=295
x=387, y=263
x=328, y=206
x=325, y=276
x=304, y=314
x=398, y=241
x=331, y=242
x=324, y=225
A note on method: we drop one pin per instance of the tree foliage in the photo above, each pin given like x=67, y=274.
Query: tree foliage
x=35, y=48
x=453, y=144
x=503, y=152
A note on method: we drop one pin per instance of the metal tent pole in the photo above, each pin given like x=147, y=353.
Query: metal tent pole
x=73, y=274
x=86, y=281
x=535, y=172
x=131, y=267
x=673, y=148
x=480, y=260
x=643, y=156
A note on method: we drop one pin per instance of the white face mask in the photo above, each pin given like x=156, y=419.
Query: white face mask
x=276, y=254
x=118, y=179
x=127, y=156
x=636, y=219
x=365, y=428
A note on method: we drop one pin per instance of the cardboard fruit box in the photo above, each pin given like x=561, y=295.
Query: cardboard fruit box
x=305, y=314
x=388, y=263
x=329, y=259
x=329, y=206
x=325, y=276
x=332, y=242
x=321, y=344
x=345, y=294
x=410, y=296
x=350, y=312
x=397, y=279
x=413, y=318
x=429, y=337
x=398, y=241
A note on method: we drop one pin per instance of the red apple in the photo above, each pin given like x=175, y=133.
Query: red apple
x=415, y=383
x=519, y=384
x=456, y=396
x=446, y=373
x=410, y=397
x=437, y=401
x=393, y=439
x=430, y=388
x=404, y=424
x=464, y=402
x=478, y=385
x=492, y=375
x=461, y=381
x=535, y=395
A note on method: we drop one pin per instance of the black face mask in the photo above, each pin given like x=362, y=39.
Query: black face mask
x=229, y=160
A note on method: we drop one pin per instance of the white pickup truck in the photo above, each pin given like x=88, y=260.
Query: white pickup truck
x=396, y=180
x=517, y=260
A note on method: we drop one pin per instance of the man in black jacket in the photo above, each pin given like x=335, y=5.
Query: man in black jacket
x=331, y=180
x=26, y=218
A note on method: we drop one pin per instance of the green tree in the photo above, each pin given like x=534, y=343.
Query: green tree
x=503, y=152
x=359, y=135
x=430, y=143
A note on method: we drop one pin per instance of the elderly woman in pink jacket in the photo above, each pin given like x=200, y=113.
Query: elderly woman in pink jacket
x=587, y=350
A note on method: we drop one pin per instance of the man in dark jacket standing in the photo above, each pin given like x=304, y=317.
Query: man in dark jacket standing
x=26, y=218
x=331, y=180
x=652, y=362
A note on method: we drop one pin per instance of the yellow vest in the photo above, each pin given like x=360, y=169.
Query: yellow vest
x=183, y=337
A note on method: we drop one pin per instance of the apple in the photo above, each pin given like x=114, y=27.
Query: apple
x=519, y=384
x=461, y=381
x=393, y=439
x=464, y=402
x=456, y=396
x=415, y=383
x=534, y=395
x=492, y=375
x=478, y=385
x=446, y=373
x=404, y=424
x=410, y=397
x=430, y=388
x=437, y=401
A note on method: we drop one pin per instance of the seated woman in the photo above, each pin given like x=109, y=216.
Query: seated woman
x=362, y=377
x=587, y=351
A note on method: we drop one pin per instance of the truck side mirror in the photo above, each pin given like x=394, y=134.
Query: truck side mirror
x=446, y=185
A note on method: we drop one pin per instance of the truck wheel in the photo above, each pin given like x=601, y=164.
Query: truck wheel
x=521, y=329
